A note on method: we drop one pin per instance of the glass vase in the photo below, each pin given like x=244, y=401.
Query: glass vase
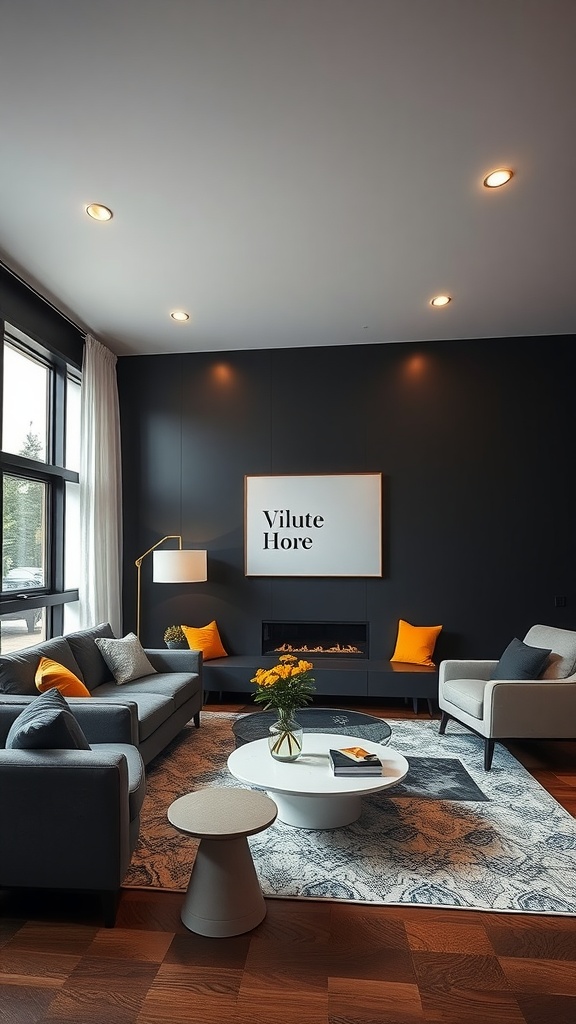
x=285, y=738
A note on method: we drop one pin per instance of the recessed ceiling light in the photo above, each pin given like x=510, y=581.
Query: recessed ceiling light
x=497, y=178
x=180, y=315
x=440, y=300
x=98, y=212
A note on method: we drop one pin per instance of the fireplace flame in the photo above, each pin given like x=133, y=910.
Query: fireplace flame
x=305, y=649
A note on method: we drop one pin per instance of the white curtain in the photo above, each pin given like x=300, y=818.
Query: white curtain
x=100, y=490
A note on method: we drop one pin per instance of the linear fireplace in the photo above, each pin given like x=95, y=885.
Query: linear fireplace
x=322, y=639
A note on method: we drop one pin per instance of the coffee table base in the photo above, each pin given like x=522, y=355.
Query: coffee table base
x=317, y=811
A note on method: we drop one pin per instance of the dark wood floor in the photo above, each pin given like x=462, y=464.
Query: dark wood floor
x=307, y=963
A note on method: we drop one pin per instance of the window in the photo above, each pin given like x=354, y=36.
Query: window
x=25, y=406
x=39, y=462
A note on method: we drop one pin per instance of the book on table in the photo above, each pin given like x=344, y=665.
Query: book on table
x=354, y=761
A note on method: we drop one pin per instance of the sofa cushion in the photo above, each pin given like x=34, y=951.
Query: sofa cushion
x=125, y=658
x=51, y=675
x=18, y=670
x=205, y=639
x=153, y=709
x=46, y=724
x=562, y=660
x=94, y=669
x=466, y=694
x=178, y=686
x=521, y=661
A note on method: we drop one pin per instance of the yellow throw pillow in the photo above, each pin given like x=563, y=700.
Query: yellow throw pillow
x=415, y=644
x=50, y=675
x=205, y=639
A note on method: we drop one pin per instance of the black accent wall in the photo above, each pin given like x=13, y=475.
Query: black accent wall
x=476, y=444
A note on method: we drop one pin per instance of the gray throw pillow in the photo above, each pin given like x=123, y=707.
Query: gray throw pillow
x=46, y=724
x=521, y=661
x=125, y=658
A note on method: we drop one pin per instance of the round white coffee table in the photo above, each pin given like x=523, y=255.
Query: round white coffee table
x=306, y=791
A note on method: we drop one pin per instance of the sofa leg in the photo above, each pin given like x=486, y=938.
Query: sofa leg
x=109, y=903
x=443, y=722
x=488, y=752
x=196, y=719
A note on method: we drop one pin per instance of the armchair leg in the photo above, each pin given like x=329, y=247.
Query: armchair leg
x=488, y=752
x=443, y=723
x=196, y=719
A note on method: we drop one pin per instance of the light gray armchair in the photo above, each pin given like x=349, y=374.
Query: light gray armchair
x=497, y=709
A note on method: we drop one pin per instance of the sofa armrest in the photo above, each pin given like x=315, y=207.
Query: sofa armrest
x=100, y=720
x=104, y=722
x=465, y=669
x=66, y=819
x=171, y=660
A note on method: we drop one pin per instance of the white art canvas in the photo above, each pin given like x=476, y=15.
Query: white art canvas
x=313, y=525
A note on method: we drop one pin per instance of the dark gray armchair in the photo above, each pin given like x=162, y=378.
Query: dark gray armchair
x=70, y=818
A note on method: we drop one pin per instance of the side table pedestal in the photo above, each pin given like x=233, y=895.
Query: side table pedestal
x=224, y=895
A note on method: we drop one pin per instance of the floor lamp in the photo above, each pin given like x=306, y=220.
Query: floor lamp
x=183, y=565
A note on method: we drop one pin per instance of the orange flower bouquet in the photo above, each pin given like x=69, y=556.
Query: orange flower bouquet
x=285, y=687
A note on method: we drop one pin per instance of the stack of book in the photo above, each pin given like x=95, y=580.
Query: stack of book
x=354, y=761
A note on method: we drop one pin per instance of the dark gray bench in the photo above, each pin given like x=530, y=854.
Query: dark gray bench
x=343, y=677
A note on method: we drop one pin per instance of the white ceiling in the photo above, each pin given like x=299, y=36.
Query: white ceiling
x=291, y=172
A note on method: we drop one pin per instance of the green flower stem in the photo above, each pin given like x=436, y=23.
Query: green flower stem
x=290, y=738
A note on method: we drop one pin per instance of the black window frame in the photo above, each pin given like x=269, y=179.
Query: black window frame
x=52, y=596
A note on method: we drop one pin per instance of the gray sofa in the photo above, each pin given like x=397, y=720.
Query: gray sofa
x=160, y=705
x=71, y=817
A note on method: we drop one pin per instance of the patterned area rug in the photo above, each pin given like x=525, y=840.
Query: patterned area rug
x=451, y=835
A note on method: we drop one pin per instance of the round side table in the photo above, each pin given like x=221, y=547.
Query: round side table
x=224, y=895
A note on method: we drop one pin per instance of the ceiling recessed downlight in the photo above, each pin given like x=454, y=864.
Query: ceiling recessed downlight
x=440, y=300
x=98, y=212
x=497, y=178
x=180, y=315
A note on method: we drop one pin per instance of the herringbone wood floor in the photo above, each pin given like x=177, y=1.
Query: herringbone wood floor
x=307, y=963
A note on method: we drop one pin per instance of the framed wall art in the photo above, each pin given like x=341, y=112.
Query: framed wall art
x=313, y=525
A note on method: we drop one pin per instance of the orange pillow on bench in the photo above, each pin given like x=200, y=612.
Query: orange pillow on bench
x=415, y=644
x=205, y=639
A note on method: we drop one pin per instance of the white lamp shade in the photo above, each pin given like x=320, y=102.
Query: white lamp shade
x=182, y=566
